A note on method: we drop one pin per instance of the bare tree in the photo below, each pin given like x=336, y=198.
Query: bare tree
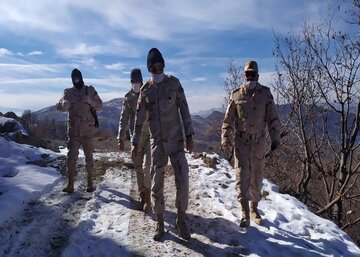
x=318, y=78
x=233, y=80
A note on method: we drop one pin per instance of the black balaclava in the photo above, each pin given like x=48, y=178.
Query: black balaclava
x=154, y=56
x=77, y=79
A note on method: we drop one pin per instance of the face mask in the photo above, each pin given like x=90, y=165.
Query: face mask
x=157, y=78
x=78, y=83
x=136, y=87
x=250, y=84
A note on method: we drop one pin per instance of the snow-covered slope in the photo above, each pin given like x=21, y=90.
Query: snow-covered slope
x=106, y=222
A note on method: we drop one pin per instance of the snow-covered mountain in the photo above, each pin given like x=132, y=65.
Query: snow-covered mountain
x=37, y=219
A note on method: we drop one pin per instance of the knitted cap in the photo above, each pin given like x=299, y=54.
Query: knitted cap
x=154, y=56
x=135, y=76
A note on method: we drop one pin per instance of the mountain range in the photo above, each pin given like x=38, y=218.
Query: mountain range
x=207, y=127
x=207, y=124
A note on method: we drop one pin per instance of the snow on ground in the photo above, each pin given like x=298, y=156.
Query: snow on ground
x=21, y=182
x=107, y=222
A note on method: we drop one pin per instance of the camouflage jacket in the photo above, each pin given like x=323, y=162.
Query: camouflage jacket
x=164, y=102
x=80, y=120
x=127, y=119
x=251, y=113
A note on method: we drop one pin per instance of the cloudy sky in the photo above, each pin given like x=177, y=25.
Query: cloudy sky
x=42, y=41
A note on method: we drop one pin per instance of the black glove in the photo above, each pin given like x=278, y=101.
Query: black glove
x=275, y=145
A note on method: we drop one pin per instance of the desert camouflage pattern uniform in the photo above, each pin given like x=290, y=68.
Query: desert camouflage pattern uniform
x=254, y=115
x=126, y=125
x=164, y=103
x=80, y=126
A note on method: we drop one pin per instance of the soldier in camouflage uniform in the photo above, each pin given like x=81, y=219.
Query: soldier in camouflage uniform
x=126, y=125
x=251, y=108
x=80, y=101
x=162, y=98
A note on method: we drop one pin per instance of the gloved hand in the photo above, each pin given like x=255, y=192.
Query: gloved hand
x=228, y=151
x=275, y=145
x=190, y=144
x=66, y=105
x=121, y=145
x=86, y=99
x=134, y=151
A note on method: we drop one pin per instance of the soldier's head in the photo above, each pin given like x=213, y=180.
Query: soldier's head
x=251, y=71
x=155, y=61
x=77, y=78
x=136, y=80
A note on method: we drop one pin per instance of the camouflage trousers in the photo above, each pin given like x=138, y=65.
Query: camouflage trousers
x=142, y=164
x=250, y=165
x=73, y=146
x=181, y=170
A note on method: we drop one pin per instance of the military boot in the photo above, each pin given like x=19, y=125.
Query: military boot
x=70, y=186
x=254, y=213
x=159, y=232
x=245, y=219
x=147, y=204
x=142, y=200
x=90, y=186
x=181, y=225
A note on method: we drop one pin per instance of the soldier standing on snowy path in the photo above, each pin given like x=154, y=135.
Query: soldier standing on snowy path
x=80, y=102
x=162, y=98
x=126, y=125
x=251, y=108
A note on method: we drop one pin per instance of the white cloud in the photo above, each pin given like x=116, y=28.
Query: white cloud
x=28, y=100
x=116, y=66
x=4, y=51
x=82, y=49
x=89, y=62
x=197, y=79
x=161, y=22
x=35, y=53
x=5, y=68
x=201, y=100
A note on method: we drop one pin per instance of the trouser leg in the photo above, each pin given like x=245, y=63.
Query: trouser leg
x=89, y=162
x=181, y=170
x=243, y=180
x=73, y=146
x=158, y=174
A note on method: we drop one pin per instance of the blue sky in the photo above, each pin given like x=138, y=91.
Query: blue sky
x=42, y=41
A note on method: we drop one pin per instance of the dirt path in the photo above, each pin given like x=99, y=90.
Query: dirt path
x=208, y=225
x=45, y=225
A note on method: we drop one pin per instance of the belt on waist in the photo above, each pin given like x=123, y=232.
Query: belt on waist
x=249, y=136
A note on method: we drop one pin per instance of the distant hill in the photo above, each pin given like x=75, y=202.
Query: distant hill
x=207, y=127
x=108, y=116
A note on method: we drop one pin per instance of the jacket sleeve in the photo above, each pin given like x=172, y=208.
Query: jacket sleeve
x=97, y=103
x=184, y=111
x=60, y=106
x=228, y=123
x=124, y=121
x=139, y=119
x=272, y=119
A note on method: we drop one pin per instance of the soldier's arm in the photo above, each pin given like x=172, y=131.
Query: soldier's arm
x=63, y=104
x=96, y=103
x=124, y=121
x=184, y=111
x=272, y=119
x=139, y=119
x=227, y=126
